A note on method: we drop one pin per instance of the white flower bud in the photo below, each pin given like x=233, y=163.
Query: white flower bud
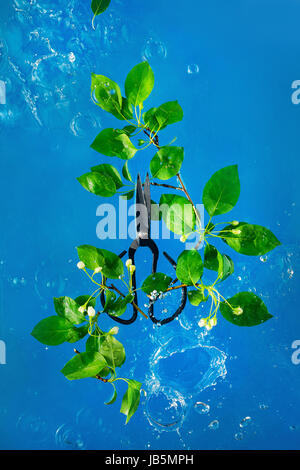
x=235, y=223
x=114, y=330
x=97, y=270
x=128, y=263
x=91, y=312
x=183, y=238
x=81, y=309
x=237, y=311
x=132, y=268
x=80, y=265
x=236, y=231
x=202, y=322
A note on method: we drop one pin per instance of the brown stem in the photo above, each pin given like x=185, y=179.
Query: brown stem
x=96, y=376
x=188, y=196
x=167, y=186
x=133, y=303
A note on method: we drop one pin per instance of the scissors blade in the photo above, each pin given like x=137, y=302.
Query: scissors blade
x=147, y=198
x=141, y=211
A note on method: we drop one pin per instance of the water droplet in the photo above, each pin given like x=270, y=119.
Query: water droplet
x=154, y=49
x=68, y=438
x=262, y=406
x=201, y=408
x=193, y=69
x=245, y=422
x=214, y=425
x=263, y=259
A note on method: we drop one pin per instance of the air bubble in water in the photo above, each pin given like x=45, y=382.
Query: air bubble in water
x=154, y=49
x=193, y=69
x=201, y=408
x=68, y=438
x=239, y=436
x=214, y=425
x=245, y=422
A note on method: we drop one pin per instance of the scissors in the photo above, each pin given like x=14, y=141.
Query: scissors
x=143, y=239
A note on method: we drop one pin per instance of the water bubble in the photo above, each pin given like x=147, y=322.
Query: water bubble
x=239, y=436
x=68, y=438
x=263, y=259
x=193, y=69
x=201, y=408
x=165, y=408
x=82, y=125
x=262, y=406
x=245, y=422
x=214, y=425
x=154, y=49
x=293, y=428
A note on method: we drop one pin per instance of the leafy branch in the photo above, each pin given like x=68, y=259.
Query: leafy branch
x=76, y=319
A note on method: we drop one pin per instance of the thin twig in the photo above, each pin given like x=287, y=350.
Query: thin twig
x=167, y=186
x=133, y=303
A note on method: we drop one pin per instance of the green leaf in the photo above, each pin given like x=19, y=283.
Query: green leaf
x=113, y=398
x=92, y=257
x=128, y=195
x=166, y=114
x=215, y=261
x=99, y=6
x=109, y=171
x=78, y=333
x=189, y=267
x=250, y=308
x=222, y=191
x=107, y=94
x=68, y=308
x=126, y=173
x=166, y=162
x=82, y=299
x=83, y=365
x=177, y=213
x=114, y=143
x=249, y=239
x=53, y=331
x=119, y=306
x=139, y=83
x=129, y=130
x=158, y=282
x=196, y=297
x=112, y=350
x=99, y=184
x=131, y=399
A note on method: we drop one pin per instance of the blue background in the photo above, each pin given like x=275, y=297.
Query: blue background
x=231, y=65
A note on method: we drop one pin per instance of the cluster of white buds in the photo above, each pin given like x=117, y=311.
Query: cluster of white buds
x=208, y=323
x=97, y=270
x=80, y=265
x=237, y=311
x=91, y=312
